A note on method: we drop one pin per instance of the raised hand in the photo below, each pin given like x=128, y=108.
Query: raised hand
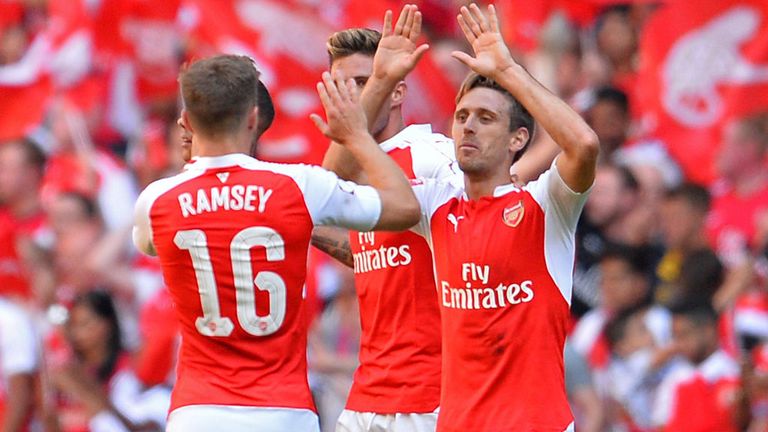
x=397, y=53
x=492, y=56
x=346, y=119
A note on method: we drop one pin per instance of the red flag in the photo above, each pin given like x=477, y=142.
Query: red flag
x=702, y=64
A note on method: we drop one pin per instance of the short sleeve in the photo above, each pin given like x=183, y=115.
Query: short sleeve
x=551, y=192
x=142, y=227
x=431, y=195
x=18, y=341
x=333, y=201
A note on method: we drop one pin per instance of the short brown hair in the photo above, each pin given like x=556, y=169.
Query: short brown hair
x=352, y=41
x=518, y=114
x=219, y=92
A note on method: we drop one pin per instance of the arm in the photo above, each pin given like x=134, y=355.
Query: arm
x=19, y=402
x=579, y=144
x=347, y=125
x=396, y=56
x=536, y=159
x=334, y=242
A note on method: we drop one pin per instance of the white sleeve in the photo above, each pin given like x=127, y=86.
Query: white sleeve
x=665, y=398
x=551, y=192
x=431, y=194
x=18, y=341
x=142, y=227
x=434, y=160
x=333, y=201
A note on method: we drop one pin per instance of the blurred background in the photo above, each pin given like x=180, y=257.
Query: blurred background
x=670, y=307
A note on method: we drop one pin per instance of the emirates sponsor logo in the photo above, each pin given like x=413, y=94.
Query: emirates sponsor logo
x=383, y=257
x=483, y=297
x=512, y=216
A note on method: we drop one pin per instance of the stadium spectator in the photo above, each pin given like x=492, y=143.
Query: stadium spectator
x=706, y=384
x=689, y=271
x=89, y=375
x=19, y=366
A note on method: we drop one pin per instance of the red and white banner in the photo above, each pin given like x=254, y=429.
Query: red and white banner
x=702, y=64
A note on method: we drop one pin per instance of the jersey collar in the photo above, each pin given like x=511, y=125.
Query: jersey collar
x=405, y=137
x=228, y=160
x=498, y=191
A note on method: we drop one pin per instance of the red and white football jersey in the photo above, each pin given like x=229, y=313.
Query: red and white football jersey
x=232, y=235
x=709, y=390
x=504, y=265
x=19, y=352
x=399, y=369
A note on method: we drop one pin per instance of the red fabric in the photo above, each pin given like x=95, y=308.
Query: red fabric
x=23, y=108
x=400, y=341
x=502, y=362
x=14, y=278
x=731, y=223
x=243, y=367
x=712, y=404
x=159, y=331
x=686, y=96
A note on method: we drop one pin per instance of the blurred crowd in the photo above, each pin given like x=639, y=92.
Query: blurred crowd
x=670, y=298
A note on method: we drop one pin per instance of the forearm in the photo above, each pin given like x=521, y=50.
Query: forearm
x=537, y=159
x=334, y=242
x=566, y=127
x=399, y=208
x=19, y=403
x=340, y=161
x=568, y=130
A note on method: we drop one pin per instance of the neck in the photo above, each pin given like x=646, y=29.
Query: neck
x=219, y=146
x=96, y=357
x=478, y=185
x=395, y=124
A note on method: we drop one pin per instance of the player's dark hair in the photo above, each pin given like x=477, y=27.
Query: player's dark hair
x=694, y=195
x=614, y=96
x=616, y=328
x=700, y=313
x=219, y=92
x=266, y=114
x=518, y=114
x=100, y=303
x=352, y=41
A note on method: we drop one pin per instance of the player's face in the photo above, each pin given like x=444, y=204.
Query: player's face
x=360, y=67
x=481, y=132
x=186, y=141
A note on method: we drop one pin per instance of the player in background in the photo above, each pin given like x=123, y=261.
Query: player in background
x=232, y=235
x=396, y=386
x=503, y=254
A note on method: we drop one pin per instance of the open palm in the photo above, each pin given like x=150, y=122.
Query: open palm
x=491, y=53
x=398, y=53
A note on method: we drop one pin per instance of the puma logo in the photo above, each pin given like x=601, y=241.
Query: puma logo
x=455, y=221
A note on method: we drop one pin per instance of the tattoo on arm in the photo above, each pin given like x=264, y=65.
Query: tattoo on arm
x=337, y=248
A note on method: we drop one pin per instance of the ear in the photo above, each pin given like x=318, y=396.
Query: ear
x=253, y=119
x=398, y=94
x=518, y=140
x=185, y=121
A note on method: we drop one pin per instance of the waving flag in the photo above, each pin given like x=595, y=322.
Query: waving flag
x=702, y=64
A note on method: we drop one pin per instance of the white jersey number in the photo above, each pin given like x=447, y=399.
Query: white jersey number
x=212, y=323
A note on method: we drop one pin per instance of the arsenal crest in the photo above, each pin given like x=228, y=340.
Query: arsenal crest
x=513, y=215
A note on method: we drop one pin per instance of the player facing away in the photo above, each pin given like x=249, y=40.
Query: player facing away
x=396, y=386
x=232, y=233
x=503, y=254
